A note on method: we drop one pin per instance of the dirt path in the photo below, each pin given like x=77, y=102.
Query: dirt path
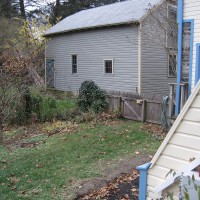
x=119, y=183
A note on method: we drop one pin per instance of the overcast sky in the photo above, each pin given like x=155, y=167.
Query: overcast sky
x=42, y=2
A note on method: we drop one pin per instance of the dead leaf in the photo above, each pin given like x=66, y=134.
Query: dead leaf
x=36, y=191
x=13, y=180
x=39, y=166
x=14, y=188
x=150, y=156
x=134, y=190
x=137, y=152
x=126, y=196
x=22, y=192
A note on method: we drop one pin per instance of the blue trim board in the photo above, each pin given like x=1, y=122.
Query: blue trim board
x=180, y=44
x=191, y=21
x=197, y=71
x=143, y=180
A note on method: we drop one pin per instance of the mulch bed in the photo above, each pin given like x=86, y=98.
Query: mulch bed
x=123, y=188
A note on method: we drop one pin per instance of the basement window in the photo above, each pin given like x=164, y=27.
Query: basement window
x=108, y=66
x=74, y=64
x=172, y=65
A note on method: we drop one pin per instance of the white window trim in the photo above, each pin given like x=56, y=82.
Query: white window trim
x=108, y=59
x=74, y=54
x=170, y=76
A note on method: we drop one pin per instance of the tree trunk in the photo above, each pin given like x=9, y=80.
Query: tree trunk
x=57, y=10
x=5, y=8
x=22, y=9
x=1, y=128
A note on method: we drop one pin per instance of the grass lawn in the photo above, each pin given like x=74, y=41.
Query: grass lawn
x=52, y=169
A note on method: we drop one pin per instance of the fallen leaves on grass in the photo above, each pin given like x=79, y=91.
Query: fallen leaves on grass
x=113, y=188
x=155, y=130
x=58, y=128
x=13, y=180
x=29, y=144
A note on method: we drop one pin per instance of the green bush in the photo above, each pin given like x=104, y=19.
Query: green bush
x=91, y=98
x=41, y=107
x=36, y=106
x=22, y=108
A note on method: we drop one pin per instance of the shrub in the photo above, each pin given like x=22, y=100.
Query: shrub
x=22, y=107
x=38, y=106
x=91, y=98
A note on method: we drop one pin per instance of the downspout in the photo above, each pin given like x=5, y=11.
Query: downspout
x=143, y=180
x=180, y=45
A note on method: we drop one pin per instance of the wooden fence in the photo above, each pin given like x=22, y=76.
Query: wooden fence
x=138, y=109
x=147, y=107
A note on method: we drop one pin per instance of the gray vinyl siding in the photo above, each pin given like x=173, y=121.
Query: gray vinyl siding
x=92, y=47
x=154, y=55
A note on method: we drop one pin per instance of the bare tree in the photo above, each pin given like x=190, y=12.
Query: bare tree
x=21, y=65
x=162, y=28
x=13, y=77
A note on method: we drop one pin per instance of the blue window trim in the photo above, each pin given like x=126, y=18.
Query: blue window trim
x=197, y=71
x=191, y=21
x=143, y=180
x=180, y=44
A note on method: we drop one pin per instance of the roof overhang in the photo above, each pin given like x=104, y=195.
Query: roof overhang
x=136, y=22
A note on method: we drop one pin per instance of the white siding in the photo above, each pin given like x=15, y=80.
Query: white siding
x=191, y=11
x=154, y=54
x=92, y=47
x=180, y=146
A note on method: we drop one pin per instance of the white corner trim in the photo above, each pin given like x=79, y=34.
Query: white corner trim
x=139, y=60
x=176, y=123
x=45, y=70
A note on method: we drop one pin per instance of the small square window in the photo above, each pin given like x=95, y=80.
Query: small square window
x=74, y=64
x=108, y=66
x=172, y=65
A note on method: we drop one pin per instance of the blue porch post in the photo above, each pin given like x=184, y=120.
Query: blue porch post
x=143, y=180
x=197, y=73
x=180, y=45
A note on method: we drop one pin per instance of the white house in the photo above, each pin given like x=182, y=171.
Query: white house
x=189, y=28
x=180, y=151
